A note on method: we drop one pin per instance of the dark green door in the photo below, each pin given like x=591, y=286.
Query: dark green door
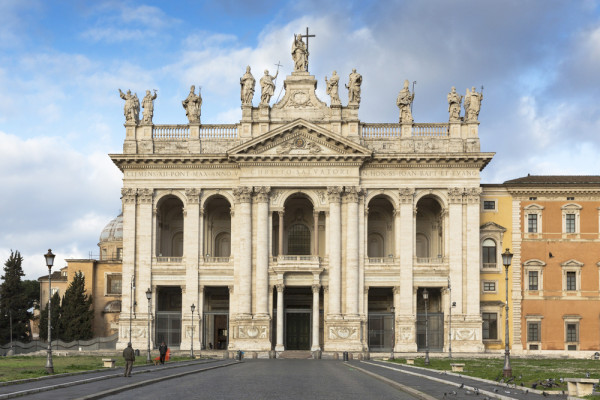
x=297, y=330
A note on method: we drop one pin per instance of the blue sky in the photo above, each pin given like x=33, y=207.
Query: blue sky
x=62, y=63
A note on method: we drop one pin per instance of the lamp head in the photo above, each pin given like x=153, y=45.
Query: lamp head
x=49, y=259
x=507, y=258
x=149, y=294
x=425, y=294
x=193, y=307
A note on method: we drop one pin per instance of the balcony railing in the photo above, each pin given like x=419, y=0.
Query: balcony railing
x=170, y=260
x=430, y=130
x=380, y=260
x=224, y=131
x=170, y=132
x=490, y=265
x=378, y=131
x=217, y=260
x=430, y=260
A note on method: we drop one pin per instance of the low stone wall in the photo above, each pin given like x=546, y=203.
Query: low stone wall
x=99, y=343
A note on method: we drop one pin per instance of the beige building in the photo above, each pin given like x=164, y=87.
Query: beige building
x=302, y=227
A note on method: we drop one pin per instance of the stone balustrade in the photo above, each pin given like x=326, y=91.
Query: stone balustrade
x=379, y=131
x=170, y=132
x=223, y=131
x=430, y=130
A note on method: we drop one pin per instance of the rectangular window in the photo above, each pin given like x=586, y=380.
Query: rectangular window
x=533, y=280
x=532, y=223
x=490, y=325
x=533, y=198
x=489, y=205
x=571, y=280
x=572, y=334
x=534, y=332
x=119, y=253
x=570, y=198
x=570, y=223
x=113, y=284
x=489, y=286
x=489, y=256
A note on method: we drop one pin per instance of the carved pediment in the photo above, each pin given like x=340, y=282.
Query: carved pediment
x=299, y=140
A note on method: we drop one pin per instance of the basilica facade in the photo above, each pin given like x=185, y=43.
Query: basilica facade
x=302, y=227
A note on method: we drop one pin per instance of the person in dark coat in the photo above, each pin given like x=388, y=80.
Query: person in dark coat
x=162, y=349
x=129, y=356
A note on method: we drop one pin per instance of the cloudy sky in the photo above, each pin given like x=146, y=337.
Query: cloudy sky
x=62, y=63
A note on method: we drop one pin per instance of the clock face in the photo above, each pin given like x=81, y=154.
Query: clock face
x=299, y=142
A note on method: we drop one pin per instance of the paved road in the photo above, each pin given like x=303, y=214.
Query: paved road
x=268, y=379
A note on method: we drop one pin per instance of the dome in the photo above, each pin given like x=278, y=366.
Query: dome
x=113, y=231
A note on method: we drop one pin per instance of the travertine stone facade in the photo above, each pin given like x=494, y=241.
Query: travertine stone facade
x=296, y=223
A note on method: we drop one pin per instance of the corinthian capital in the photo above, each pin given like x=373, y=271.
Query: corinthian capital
x=242, y=194
x=455, y=195
x=128, y=195
x=352, y=193
x=145, y=196
x=262, y=193
x=406, y=195
x=193, y=195
x=333, y=193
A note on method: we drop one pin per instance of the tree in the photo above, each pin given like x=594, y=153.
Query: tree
x=77, y=315
x=13, y=301
x=56, y=311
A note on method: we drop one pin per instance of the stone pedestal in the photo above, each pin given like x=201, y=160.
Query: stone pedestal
x=406, y=339
x=250, y=334
x=343, y=335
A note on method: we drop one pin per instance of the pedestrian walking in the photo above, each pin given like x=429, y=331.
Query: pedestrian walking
x=162, y=349
x=129, y=356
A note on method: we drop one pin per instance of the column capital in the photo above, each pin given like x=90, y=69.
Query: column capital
x=396, y=289
x=262, y=193
x=242, y=194
x=325, y=288
x=128, y=195
x=280, y=287
x=406, y=195
x=230, y=287
x=455, y=195
x=281, y=213
x=352, y=193
x=333, y=193
x=316, y=213
x=472, y=195
x=316, y=288
x=145, y=196
x=193, y=195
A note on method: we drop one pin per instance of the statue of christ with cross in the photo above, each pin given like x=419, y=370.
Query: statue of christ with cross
x=300, y=52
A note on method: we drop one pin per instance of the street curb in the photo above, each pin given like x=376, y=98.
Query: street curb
x=396, y=385
x=79, y=382
x=149, y=381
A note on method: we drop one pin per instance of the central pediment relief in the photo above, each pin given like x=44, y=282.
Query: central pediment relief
x=299, y=140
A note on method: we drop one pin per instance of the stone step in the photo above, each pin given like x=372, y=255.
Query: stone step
x=297, y=354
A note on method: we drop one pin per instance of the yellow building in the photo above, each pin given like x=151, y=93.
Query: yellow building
x=495, y=237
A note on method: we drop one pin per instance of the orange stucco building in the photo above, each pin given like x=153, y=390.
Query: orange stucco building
x=556, y=240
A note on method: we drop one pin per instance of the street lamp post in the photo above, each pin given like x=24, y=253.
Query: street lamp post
x=49, y=263
x=193, y=307
x=132, y=286
x=507, y=370
x=450, y=320
x=149, y=297
x=11, y=335
x=393, y=310
x=426, y=298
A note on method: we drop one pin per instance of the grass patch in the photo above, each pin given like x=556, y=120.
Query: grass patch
x=526, y=371
x=25, y=367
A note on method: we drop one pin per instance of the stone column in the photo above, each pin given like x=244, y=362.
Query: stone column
x=315, y=318
x=397, y=236
x=351, y=199
x=191, y=225
x=262, y=251
x=473, y=251
x=201, y=224
x=335, y=251
x=316, y=233
x=244, y=261
x=128, y=198
x=144, y=252
x=455, y=251
x=280, y=241
x=200, y=310
x=279, y=345
x=405, y=312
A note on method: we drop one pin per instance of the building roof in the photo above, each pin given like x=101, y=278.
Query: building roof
x=113, y=231
x=57, y=276
x=544, y=180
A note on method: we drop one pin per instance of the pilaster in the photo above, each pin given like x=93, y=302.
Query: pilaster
x=262, y=251
x=406, y=340
x=144, y=235
x=335, y=251
x=351, y=195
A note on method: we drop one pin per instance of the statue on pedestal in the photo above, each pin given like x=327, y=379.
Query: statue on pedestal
x=268, y=87
x=474, y=104
x=148, y=106
x=192, y=105
x=300, y=53
x=353, y=86
x=404, y=101
x=454, y=100
x=332, y=88
x=247, y=83
x=131, y=108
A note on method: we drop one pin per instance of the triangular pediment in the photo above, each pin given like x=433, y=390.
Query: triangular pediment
x=299, y=140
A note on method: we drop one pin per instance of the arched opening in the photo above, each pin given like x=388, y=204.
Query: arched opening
x=297, y=234
x=169, y=227
x=380, y=229
x=429, y=235
x=217, y=228
x=488, y=253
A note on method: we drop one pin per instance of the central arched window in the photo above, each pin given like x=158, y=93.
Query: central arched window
x=488, y=255
x=299, y=240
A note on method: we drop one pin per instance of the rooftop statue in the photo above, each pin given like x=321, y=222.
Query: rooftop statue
x=192, y=105
x=454, y=100
x=300, y=53
x=353, y=86
x=404, y=101
x=474, y=105
x=332, y=88
x=131, y=108
x=247, y=83
x=148, y=106
x=268, y=87
x=467, y=104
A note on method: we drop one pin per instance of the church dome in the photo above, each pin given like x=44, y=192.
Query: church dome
x=113, y=231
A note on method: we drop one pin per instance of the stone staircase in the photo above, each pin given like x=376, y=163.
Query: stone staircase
x=295, y=354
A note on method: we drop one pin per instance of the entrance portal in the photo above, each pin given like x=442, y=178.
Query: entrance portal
x=216, y=318
x=434, y=328
x=168, y=316
x=297, y=330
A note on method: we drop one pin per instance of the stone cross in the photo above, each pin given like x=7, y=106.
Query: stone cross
x=307, y=36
